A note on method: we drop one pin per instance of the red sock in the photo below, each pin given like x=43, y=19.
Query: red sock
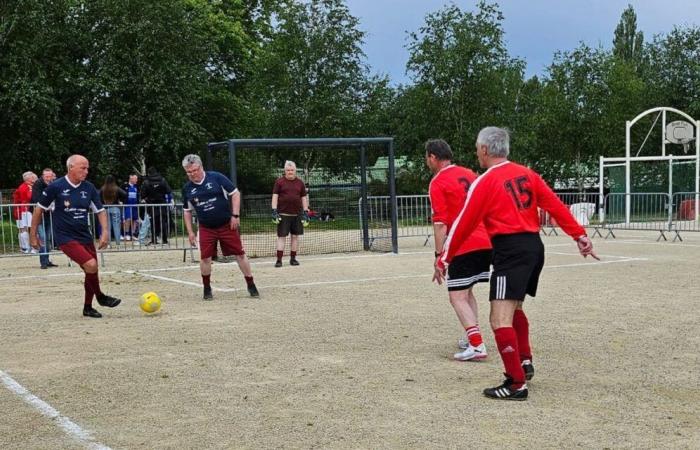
x=507, y=343
x=206, y=280
x=474, y=336
x=248, y=280
x=292, y=255
x=522, y=329
x=88, y=294
x=93, y=280
x=280, y=253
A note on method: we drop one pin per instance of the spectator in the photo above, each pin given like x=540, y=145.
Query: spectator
x=45, y=230
x=22, y=197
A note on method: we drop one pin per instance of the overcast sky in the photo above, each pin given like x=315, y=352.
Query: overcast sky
x=534, y=29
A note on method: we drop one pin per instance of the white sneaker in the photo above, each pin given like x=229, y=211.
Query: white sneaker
x=127, y=238
x=463, y=343
x=472, y=353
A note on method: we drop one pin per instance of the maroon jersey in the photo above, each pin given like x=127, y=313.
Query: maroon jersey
x=505, y=198
x=448, y=192
x=290, y=193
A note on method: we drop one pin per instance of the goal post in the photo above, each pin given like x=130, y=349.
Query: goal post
x=343, y=196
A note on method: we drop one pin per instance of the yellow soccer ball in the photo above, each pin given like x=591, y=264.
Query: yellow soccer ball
x=150, y=302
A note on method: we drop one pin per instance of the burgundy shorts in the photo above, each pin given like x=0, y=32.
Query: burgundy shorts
x=79, y=252
x=229, y=239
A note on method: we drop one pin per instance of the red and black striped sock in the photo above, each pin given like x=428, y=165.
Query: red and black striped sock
x=522, y=330
x=507, y=343
x=292, y=254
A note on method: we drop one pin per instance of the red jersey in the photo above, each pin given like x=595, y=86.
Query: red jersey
x=22, y=195
x=506, y=198
x=448, y=192
x=290, y=193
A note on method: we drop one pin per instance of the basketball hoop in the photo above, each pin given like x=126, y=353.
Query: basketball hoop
x=680, y=132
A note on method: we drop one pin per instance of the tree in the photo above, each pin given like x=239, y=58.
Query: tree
x=628, y=43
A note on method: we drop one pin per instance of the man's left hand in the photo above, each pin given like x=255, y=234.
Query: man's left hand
x=104, y=241
x=235, y=223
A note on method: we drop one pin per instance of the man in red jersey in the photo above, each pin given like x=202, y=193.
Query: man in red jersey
x=22, y=197
x=290, y=211
x=506, y=199
x=448, y=192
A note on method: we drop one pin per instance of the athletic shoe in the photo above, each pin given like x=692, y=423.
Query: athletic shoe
x=529, y=369
x=506, y=392
x=127, y=238
x=278, y=264
x=89, y=311
x=472, y=353
x=106, y=300
x=463, y=343
x=293, y=262
x=50, y=264
x=44, y=267
x=207, y=294
x=253, y=291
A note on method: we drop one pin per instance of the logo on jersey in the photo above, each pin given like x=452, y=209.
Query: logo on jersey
x=195, y=201
x=66, y=203
x=83, y=194
x=208, y=185
x=194, y=189
x=66, y=192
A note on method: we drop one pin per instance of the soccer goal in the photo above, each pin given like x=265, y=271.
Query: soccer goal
x=340, y=175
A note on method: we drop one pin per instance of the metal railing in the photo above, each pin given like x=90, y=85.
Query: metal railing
x=414, y=217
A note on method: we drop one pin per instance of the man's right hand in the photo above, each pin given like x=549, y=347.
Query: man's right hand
x=34, y=240
x=585, y=247
x=276, y=219
x=193, y=239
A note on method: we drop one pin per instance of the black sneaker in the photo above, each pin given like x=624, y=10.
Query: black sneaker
x=293, y=262
x=207, y=294
x=278, y=264
x=253, y=291
x=529, y=369
x=106, y=300
x=506, y=391
x=89, y=311
x=50, y=264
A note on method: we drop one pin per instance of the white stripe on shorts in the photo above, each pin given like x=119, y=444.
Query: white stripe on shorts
x=501, y=287
x=466, y=281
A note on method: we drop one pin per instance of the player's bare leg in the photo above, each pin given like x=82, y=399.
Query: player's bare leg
x=464, y=304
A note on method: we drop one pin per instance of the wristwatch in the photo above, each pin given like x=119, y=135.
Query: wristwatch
x=235, y=216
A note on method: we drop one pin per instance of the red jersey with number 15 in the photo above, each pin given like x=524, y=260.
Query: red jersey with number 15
x=506, y=199
x=448, y=192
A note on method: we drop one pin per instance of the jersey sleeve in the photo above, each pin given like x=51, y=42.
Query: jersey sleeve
x=47, y=196
x=276, y=187
x=438, y=204
x=226, y=184
x=469, y=218
x=186, y=205
x=548, y=200
x=95, y=202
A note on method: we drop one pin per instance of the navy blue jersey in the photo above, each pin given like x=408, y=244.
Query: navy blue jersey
x=72, y=206
x=132, y=194
x=210, y=199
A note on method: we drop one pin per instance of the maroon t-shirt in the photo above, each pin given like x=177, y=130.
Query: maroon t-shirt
x=290, y=193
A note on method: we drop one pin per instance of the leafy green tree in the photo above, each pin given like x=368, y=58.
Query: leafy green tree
x=628, y=43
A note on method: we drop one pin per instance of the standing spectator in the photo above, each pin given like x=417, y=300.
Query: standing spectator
x=290, y=207
x=217, y=203
x=131, y=214
x=448, y=192
x=506, y=199
x=73, y=198
x=45, y=230
x=154, y=191
x=112, y=196
x=22, y=197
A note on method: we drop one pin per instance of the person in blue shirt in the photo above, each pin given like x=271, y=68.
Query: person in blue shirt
x=73, y=199
x=131, y=214
x=217, y=203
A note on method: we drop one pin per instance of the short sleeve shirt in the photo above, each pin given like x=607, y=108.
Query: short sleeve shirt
x=210, y=199
x=290, y=193
x=73, y=204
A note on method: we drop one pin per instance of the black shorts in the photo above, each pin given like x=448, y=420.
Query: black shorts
x=468, y=269
x=517, y=263
x=290, y=224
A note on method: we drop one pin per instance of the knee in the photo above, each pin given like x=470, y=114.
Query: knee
x=90, y=266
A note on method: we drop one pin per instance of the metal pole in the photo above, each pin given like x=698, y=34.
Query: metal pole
x=210, y=159
x=363, y=193
x=392, y=200
x=670, y=192
x=232, y=160
x=697, y=170
x=627, y=172
x=663, y=133
x=601, y=191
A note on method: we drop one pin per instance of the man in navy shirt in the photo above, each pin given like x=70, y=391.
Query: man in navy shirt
x=73, y=198
x=217, y=203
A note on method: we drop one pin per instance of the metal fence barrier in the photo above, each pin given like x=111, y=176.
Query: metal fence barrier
x=414, y=217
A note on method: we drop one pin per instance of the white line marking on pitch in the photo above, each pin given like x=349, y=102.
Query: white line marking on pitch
x=362, y=280
x=71, y=428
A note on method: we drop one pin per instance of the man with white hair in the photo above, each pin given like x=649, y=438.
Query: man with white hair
x=217, y=202
x=290, y=211
x=506, y=199
x=22, y=197
x=73, y=197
